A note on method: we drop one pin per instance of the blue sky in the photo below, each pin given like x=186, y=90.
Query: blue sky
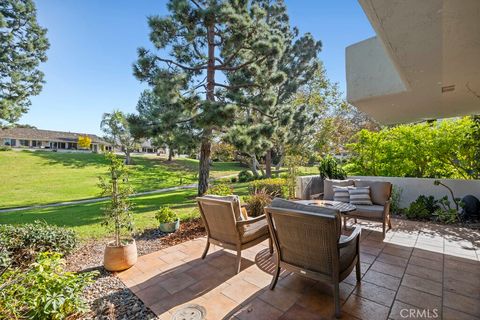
x=93, y=46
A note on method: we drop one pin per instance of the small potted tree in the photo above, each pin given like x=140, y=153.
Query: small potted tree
x=168, y=219
x=121, y=253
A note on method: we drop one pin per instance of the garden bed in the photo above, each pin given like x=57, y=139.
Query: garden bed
x=108, y=296
x=472, y=224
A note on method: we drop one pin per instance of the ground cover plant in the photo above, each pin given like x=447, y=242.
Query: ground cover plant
x=440, y=210
x=33, y=281
x=44, y=290
x=42, y=177
x=19, y=245
x=422, y=208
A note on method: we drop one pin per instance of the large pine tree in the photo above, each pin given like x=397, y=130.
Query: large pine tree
x=203, y=51
x=267, y=125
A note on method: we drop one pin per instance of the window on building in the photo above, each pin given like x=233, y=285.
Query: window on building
x=36, y=144
x=24, y=143
x=61, y=145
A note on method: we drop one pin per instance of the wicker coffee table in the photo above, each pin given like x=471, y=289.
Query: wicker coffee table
x=343, y=207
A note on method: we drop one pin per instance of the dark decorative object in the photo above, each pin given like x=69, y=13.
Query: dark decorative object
x=471, y=208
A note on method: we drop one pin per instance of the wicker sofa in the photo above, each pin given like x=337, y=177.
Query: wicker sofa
x=380, y=193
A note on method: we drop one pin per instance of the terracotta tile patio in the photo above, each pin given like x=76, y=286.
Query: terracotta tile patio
x=419, y=267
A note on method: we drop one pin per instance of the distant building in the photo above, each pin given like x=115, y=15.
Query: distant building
x=147, y=147
x=31, y=138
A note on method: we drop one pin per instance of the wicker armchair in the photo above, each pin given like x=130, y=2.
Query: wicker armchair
x=308, y=241
x=226, y=227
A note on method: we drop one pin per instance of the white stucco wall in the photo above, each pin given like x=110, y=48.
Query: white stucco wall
x=413, y=187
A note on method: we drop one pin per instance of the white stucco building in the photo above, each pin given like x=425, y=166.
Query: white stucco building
x=424, y=62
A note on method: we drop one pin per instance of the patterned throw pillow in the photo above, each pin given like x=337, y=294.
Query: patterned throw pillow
x=341, y=194
x=360, y=195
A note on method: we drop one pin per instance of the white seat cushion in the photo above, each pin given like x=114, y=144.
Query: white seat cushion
x=374, y=211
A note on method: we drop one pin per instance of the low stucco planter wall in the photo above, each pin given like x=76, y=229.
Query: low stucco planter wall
x=411, y=187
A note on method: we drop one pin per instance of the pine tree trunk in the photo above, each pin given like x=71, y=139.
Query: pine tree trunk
x=170, y=154
x=280, y=163
x=206, y=147
x=268, y=164
x=204, y=165
x=253, y=166
x=128, y=158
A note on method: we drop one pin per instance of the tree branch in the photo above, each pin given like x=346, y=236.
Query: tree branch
x=237, y=86
x=196, y=4
x=169, y=62
x=243, y=65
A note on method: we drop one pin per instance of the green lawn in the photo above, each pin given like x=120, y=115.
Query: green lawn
x=41, y=177
x=86, y=219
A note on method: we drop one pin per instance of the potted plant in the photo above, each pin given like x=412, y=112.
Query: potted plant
x=121, y=253
x=168, y=219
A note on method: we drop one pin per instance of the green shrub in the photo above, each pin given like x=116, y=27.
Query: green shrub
x=44, y=290
x=220, y=189
x=166, y=215
x=256, y=202
x=245, y=176
x=422, y=208
x=443, y=149
x=447, y=216
x=24, y=242
x=417, y=210
x=395, y=202
x=445, y=213
x=330, y=169
x=5, y=148
x=275, y=187
x=233, y=179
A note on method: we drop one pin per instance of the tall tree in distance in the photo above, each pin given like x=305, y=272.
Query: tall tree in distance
x=23, y=46
x=200, y=43
x=160, y=121
x=117, y=131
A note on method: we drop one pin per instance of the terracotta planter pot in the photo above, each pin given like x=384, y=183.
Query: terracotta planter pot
x=120, y=258
x=170, y=226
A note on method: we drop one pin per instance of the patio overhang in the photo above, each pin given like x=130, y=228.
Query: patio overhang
x=423, y=64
